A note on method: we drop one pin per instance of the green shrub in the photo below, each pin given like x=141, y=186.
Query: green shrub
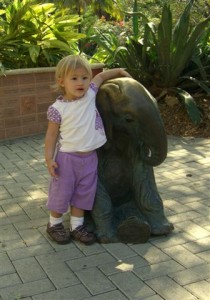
x=166, y=55
x=36, y=35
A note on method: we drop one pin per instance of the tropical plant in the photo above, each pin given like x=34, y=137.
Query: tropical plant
x=33, y=35
x=163, y=56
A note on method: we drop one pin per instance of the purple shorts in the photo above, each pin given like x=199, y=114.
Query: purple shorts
x=76, y=183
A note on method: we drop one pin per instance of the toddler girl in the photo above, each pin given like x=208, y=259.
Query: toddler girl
x=75, y=131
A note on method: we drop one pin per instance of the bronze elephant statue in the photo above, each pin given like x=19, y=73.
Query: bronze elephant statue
x=128, y=207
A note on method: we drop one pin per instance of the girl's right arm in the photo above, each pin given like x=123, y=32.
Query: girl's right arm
x=109, y=74
x=50, y=144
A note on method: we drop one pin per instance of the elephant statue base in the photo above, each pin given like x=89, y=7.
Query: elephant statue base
x=128, y=207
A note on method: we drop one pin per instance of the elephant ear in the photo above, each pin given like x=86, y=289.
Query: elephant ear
x=107, y=93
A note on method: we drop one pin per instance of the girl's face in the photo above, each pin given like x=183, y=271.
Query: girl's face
x=75, y=84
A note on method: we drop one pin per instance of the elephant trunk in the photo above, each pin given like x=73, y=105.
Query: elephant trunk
x=154, y=150
x=152, y=135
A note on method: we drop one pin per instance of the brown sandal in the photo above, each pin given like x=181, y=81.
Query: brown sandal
x=58, y=234
x=82, y=235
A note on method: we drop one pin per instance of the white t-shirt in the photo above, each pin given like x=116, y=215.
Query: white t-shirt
x=81, y=126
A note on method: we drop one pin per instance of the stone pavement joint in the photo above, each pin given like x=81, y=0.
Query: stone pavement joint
x=171, y=267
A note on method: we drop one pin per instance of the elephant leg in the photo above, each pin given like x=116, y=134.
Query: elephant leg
x=132, y=226
x=134, y=231
x=149, y=201
x=102, y=215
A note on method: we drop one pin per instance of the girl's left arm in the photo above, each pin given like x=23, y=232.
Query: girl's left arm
x=50, y=144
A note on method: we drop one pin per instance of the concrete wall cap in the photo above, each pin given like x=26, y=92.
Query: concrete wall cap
x=43, y=70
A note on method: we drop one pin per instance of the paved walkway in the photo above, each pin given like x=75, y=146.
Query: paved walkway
x=171, y=267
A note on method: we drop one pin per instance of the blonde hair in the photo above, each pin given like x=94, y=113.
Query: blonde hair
x=67, y=64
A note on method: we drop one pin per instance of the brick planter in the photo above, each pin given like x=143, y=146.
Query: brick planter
x=25, y=95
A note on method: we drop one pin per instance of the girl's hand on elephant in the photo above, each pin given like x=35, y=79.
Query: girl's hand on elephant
x=109, y=74
x=124, y=73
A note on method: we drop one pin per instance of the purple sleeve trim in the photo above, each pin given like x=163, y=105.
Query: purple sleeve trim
x=93, y=87
x=53, y=115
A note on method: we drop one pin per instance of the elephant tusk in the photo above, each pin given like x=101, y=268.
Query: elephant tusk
x=150, y=153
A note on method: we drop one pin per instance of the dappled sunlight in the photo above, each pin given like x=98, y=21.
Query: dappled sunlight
x=32, y=236
x=183, y=150
x=12, y=209
x=125, y=267
x=37, y=194
x=139, y=271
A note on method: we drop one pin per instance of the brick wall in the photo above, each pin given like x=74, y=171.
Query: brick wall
x=25, y=95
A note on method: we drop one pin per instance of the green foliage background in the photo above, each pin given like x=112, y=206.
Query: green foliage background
x=163, y=44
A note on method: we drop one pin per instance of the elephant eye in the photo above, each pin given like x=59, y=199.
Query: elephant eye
x=129, y=119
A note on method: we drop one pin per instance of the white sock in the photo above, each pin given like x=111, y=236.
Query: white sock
x=75, y=222
x=54, y=221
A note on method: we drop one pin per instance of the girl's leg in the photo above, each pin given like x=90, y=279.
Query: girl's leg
x=55, y=214
x=55, y=218
x=77, y=229
x=60, y=191
x=77, y=217
x=56, y=230
x=83, y=197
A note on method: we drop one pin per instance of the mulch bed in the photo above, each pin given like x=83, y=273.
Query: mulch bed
x=177, y=122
